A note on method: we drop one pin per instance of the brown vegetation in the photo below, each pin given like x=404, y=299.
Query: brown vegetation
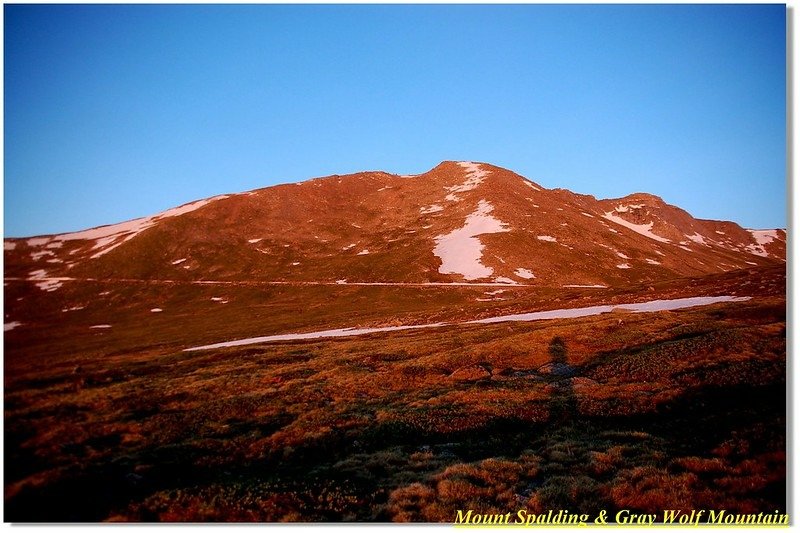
x=680, y=409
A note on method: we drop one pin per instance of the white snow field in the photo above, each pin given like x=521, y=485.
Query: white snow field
x=461, y=250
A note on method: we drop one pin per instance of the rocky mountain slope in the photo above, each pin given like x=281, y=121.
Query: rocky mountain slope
x=461, y=222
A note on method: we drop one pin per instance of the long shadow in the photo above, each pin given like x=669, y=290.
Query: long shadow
x=563, y=404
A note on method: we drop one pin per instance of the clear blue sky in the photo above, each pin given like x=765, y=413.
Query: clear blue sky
x=115, y=112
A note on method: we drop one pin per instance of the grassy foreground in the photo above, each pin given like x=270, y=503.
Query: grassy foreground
x=669, y=410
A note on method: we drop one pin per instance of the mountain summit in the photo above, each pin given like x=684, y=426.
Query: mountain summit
x=461, y=222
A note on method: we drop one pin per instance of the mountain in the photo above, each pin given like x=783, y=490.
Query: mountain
x=460, y=222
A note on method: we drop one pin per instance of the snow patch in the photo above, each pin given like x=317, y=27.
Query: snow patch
x=586, y=214
x=623, y=256
x=756, y=249
x=531, y=185
x=653, y=261
x=38, y=255
x=100, y=326
x=509, y=281
x=363, y=252
x=178, y=261
x=699, y=239
x=253, y=241
x=524, y=273
x=353, y=245
x=475, y=175
x=764, y=236
x=645, y=307
x=156, y=310
x=109, y=237
x=49, y=285
x=585, y=286
x=641, y=229
x=625, y=208
x=8, y=326
x=8, y=245
x=474, y=170
x=623, y=265
x=547, y=238
x=44, y=282
x=343, y=332
x=435, y=208
x=460, y=250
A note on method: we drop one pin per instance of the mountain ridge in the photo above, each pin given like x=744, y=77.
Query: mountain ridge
x=458, y=222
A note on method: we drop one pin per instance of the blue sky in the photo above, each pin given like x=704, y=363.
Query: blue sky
x=114, y=112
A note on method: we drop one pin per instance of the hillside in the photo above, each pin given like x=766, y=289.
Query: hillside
x=457, y=223
x=375, y=347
